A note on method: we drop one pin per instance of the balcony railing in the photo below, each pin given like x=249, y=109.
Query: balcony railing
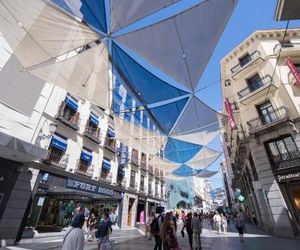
x=150, y=192
x=92, y=133
x=156, y=171
x=84, y=169
x=68, y=118
x=110, y=143
x=262, y=122
x=252, y=57
x=142, y=188
x=266, y=80
x=133, y=185
x=286, y=160
x=57, y=159
x=150, y=169
x=161, y=174
x=108, y=178
x=134, y=160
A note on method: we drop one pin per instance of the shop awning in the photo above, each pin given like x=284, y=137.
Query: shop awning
x=94, y=119
x=110, y=132
x=59, y=143
x=71, y=103
x=106, y=164
x=86, y=155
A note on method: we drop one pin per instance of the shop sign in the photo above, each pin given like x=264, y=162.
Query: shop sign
x=229, y=113
x=287, y=177
x=293, y=70
x=123, y=154
x=86, y=187
x=41, y=201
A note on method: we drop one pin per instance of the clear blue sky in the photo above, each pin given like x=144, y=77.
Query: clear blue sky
x=248, y=16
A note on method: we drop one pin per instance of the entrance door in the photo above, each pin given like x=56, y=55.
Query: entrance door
x=130, y=206
x=294, y=193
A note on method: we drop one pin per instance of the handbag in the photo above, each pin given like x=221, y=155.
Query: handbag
x=108, y=245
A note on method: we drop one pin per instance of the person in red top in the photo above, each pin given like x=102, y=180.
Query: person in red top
x=182, y=216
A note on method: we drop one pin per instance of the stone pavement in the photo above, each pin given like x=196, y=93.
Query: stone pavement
x=134, y=239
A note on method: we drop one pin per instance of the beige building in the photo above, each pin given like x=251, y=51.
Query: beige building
x=263, y=89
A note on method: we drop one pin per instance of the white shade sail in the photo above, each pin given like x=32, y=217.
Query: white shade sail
x=38, y=32
x=125, y=12
x=177, y=46
x=204, y=158
x=84, y=74
x=162, y=164
x=137, y=137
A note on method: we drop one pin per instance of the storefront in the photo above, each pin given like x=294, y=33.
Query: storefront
x=58, y=196
x=289, y=183
x=141, y=210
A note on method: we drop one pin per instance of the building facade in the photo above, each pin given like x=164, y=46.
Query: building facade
x=68, y=155
x=260, y=81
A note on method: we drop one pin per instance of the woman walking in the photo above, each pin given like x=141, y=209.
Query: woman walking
x=168, y=233
x=74, y=238
x=91, y=223
x=197, y=230
x=224, y=223
x=240, y=224
x=189, y=230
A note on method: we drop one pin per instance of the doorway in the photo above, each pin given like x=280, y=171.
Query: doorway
x=130, y=208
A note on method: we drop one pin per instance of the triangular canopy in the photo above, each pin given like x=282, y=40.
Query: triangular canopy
x=144, y=85
x=125, y=12
x=177, y=46
x=38, y=32
x=90, y=11
x=84, y=75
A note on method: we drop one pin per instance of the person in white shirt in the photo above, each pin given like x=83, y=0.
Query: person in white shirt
x=224, y=223
x=217, y=221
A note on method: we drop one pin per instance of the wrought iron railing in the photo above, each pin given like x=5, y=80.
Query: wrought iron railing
x=253, y=56
x=150, y=169
x=133, y=184
x=92, y=133
x=69, y=118
x=134, y=159
x=84, y=169
x=286, y=160
x=110, y=143
x=266, y=80
x=57, y=158
x=261, y=122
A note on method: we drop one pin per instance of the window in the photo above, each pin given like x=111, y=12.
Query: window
x=132, y=179
x=282, y=150
x=245, y=59
x=266, y=113
x=254, y=82
x=253, y=169
x=142, y=182
x=150, y=187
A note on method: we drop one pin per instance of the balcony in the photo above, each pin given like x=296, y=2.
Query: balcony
x=274, y=118
x=134, y=160
x=84, y=169
x=123, y=183
x=142, y=188
x=253, y=58
x=161, y=175
x=286, y=160
x=110, y=144
x=150, y=170
x=68, y=117
x=107, y=179
x=265, y=85
x=133, y=185
x=287, y=49
x=92, y=133
x=57, y=158
x=150, y=192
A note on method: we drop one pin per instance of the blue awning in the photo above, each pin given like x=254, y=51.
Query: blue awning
x=71, y=102
x=86, y=155
x=94, y=119
x=59, y=143
x=110, y=132
x=106, y=164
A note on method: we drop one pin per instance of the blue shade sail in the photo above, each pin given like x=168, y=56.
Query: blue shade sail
x=94, y=119
x=110, y=132
x=185, y=170
x=86, y=156
x=59, y=143
x=71, y=103
x=166, y=115
x=106, y=164
x=180, y=151
x=145, y=86
x=90, y=11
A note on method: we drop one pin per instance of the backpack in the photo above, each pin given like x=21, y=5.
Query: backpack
x=154, y=226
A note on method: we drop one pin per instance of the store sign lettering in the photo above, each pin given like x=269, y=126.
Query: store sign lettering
x=286, y=177
x=293, y=70
x=123, y=155
x=82, y=186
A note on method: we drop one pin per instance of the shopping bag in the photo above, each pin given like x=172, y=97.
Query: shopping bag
x=108, y=245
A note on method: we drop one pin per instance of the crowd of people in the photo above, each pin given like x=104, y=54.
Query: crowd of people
x=96, y=226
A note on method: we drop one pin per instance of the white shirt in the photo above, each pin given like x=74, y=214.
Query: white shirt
x=73, y=239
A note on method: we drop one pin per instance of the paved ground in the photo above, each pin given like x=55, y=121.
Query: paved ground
x=255, y=239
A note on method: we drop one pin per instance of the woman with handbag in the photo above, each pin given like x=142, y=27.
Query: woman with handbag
x=104, y=229
x=168, y=233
